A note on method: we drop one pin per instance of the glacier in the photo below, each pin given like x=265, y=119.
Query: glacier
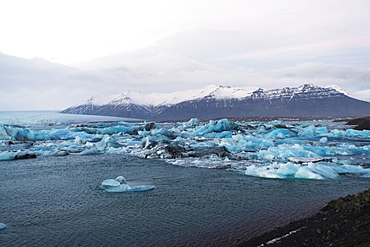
x=318, y=149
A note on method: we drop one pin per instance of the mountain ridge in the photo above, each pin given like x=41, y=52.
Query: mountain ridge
x=225, y=101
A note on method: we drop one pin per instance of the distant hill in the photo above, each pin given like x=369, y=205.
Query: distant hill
x=224, y=101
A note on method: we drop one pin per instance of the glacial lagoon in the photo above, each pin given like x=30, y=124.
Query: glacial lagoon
x=216, y=183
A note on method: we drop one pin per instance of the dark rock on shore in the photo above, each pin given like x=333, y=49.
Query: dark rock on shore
x=362, y=123
x=342, y=222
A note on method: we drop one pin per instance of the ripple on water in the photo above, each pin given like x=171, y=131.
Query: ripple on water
x=56, y=201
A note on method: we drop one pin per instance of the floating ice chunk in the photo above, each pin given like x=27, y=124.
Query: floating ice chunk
x=107, y=142
x=309, y=171
x=324, y=140
x=323, y=170
x=287, y=169
x=238, y=138
x=192, y=123
x=269, y=156
x=109, y=183
x=321, y=130
x=2, y=226
x=351, y=169
x=204, y=130
x=262, y=171
x=119, y=185
x=90, y=151
x=305, y=172
x=350, y=132
x=128, y=188
x=51, y=153
x=17, y=155
x=280, y=134
x=80, y=140
x=119, y=188
x=308, y=131
x=219, y=126
x=7, y=155
x=133, y=130
x=121, y=179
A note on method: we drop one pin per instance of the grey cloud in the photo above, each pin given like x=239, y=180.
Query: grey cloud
x=319, y=70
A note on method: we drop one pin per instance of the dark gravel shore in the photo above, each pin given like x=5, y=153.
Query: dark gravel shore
x=342, y=222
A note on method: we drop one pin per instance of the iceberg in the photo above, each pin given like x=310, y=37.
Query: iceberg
x=2, y=226
x=287, y=149
x=119, y=185
x=192, y=123
x=107, y=142
x=304, y=171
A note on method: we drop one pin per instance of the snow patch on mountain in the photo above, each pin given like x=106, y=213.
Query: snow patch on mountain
x=337, y=88
x=158, y=99
x=211, y=91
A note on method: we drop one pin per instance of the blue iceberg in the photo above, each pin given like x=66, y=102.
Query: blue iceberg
x=2, y=226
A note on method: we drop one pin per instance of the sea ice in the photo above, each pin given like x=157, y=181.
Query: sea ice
x=108, y=183
x=305, y=172
x=280, y=134
x=107, y=142
x=2, y=226
x=7, y=155
x=192, y=123
x=288, y=148
x=91, y=151
x=119, y=185
x=324, y=140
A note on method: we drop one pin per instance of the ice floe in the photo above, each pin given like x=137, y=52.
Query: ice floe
x=120, y=185
x=2, y=226
x=275, y=149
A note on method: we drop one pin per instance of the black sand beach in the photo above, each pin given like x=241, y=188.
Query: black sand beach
x=341, y=222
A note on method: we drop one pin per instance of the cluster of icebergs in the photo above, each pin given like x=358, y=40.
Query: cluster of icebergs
x=276, y=149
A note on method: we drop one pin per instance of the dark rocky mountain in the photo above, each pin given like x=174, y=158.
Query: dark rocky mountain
x=305, y=101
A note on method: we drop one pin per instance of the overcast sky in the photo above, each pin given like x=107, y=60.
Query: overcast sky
x=58, y=53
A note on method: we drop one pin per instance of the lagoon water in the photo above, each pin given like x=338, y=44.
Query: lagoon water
x=56, y=201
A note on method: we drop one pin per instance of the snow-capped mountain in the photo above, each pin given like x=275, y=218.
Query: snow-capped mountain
x=226, y=101
x=158, y=99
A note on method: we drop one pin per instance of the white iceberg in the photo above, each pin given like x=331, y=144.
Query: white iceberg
x=119, y=185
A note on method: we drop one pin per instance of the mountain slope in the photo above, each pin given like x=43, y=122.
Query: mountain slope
x=219, y=101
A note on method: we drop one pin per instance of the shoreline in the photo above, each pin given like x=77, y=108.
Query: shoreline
x=341, y=222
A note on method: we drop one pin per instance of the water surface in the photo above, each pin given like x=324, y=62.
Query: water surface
x=56, y=201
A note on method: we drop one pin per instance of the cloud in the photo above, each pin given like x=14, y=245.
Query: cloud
x=325, y=71
x=187, y=45
x=364, y=95
x=162, y=72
